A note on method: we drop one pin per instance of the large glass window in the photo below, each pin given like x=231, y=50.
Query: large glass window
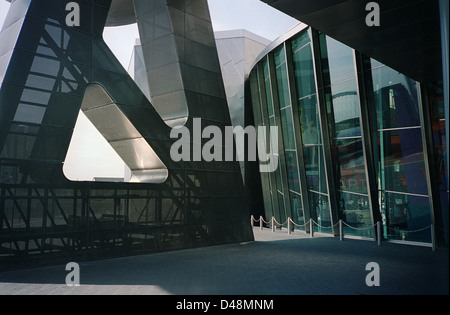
x=345, y=134
x=304, y=71
x=285, y=105
x=310, y=126
x=399, y=156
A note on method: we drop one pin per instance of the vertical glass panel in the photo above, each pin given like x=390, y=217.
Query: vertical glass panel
x=297, y=211
x=407, y=217
x=345, y=108
x=402, y=162
x=292, y=171
x=300, y=40
x=279, y=55
x=315, y=169
x=320, y=212
x=269, y=96
x=309, y=119
x=338, y=61
x=354, y=210
x=282, y=213
x=304, y=72
x=349, y=165
x=283, y=86
x=288, y=128
x=375, y=64
x=266, y=67
x=279, y=184
x=395, y=99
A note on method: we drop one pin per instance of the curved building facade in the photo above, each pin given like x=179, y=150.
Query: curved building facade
x=359, y=142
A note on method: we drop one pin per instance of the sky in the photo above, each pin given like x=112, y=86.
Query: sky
x=89, y=154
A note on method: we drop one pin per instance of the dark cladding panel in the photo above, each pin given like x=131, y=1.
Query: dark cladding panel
x=50, y=74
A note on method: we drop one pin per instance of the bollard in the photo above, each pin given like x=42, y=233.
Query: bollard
x=289, y=225
x=260, y=223
x=273, y=224
x=251, y=220
x=379, y=233
x=341, y=232
x=433, y=238
x=311, y=232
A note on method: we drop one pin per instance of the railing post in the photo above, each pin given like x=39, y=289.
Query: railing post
x=289, y=225
x=379, y=233
x=341, y=232
x=260, y=223
x=251, y=220
x=433, y=238
x=273, y=224
x=311, y=231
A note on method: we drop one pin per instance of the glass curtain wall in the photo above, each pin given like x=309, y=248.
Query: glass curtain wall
x=343, y=110
x=309, y=122
x=383, y=144
x=287, y=125
x=399, y=157
x=261, y=94
x=277, y=181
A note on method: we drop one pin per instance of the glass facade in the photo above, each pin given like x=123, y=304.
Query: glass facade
x=373, y=169
x=400, y=168
x=343, y=110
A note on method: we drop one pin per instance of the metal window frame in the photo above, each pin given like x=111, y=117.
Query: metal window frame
x=325, y=132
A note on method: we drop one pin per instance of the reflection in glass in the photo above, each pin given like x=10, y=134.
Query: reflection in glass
x=406, y=217
x=268, y=89
x=300, y=40
x=283, y=86
x=292, y=171
x=304, y=72
x=297, y=211
x=354, y=210
x=345, y=107
x=320, y=212
x=395, y=98
x=282, y=213
x=349, y=165
x=279, y=56
x=288, y=128
x=401, y=161
x=315, y=169
x=309, y=119
x=29, y=113
x=337, y=59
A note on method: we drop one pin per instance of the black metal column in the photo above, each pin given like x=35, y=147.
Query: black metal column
x=364, y=81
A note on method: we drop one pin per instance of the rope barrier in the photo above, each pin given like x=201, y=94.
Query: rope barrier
x=408, y=231
x=296, y=224
x=324, y=227
x=280, y=223
x=359, y=229
x=310, y=222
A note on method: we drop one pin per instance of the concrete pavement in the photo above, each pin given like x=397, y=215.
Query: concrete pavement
x=275, y=264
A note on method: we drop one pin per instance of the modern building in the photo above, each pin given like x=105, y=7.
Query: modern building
x=49, y=70
x=359, y=141
x=361, y=113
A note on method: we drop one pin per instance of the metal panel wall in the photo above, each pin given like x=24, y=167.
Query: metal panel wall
x=52, y=66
